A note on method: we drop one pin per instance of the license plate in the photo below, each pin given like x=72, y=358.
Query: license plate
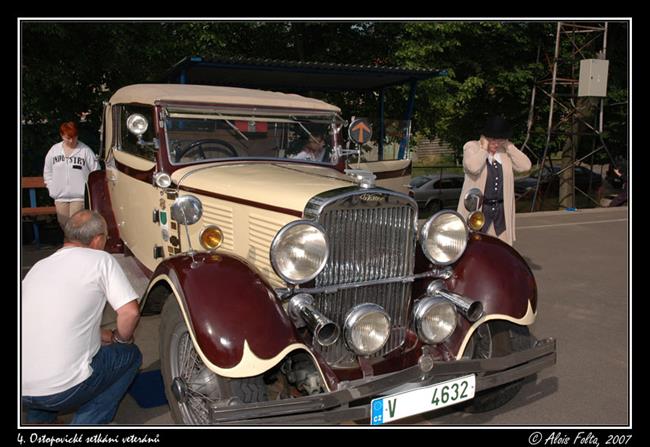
x=421, y=400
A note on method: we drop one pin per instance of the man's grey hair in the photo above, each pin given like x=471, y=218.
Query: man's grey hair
x=83, y=226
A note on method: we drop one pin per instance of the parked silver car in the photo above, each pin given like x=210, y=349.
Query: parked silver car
x=436, y=191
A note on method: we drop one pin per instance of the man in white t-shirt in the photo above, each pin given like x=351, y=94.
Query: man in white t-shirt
x=68, y=362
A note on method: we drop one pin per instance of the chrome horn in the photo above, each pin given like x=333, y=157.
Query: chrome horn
x=325, y=331
x=473, y=310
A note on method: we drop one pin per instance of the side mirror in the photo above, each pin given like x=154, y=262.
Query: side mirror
x=187, y=210
x=473, y=200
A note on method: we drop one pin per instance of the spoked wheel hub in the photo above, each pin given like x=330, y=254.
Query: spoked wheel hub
x=179, y=388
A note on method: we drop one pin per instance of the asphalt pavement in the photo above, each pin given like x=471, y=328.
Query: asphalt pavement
x=581, y=261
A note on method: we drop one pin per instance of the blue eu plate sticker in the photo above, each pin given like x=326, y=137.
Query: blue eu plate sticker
x=377, y=414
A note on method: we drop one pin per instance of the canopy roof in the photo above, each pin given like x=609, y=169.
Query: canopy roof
x=291, y=75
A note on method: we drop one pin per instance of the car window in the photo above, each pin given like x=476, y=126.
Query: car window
x=458, y=182
x=446, y=183
x=214, y=135
x=131, y=143
x=419, y=181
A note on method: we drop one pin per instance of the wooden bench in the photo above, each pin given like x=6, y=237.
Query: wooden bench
x=34, y=183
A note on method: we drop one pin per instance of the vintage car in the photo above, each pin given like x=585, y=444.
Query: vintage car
x=296, y=291
x=436, y=191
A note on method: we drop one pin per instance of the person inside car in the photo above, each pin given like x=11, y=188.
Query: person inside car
x=314, y=148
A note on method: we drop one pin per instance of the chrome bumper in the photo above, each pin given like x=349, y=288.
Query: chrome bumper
x=353, y=403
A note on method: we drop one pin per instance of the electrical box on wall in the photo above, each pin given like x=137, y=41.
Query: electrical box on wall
x=593, y=77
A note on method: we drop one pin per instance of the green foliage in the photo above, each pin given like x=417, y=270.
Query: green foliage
x=69, y=68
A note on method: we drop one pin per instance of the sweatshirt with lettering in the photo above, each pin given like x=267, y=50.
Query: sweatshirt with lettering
x=65, y=177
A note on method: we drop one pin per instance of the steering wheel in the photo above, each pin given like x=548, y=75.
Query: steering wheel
x=218, y=145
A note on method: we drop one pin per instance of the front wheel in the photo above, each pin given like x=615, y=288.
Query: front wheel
x=497, y=339
x=190, y=387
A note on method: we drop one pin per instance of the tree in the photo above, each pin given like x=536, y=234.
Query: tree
x=69, y=68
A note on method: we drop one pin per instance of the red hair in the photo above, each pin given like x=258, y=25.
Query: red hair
x=69, y=129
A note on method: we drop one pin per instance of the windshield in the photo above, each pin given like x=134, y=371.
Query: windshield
x=419, y=181
x=214, y=135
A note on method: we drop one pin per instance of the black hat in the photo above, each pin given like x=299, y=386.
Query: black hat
x=497, y=127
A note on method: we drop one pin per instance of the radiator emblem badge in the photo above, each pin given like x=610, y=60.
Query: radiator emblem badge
x=372, y=197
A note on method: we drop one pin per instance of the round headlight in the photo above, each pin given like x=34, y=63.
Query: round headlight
x=366, y=328
x=435, y=319
x=299, y=251
x=444, y=237
x=137, y=124
x=211, y=237
x=162, y=179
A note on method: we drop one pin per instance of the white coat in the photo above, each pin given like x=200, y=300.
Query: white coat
x=475, y=155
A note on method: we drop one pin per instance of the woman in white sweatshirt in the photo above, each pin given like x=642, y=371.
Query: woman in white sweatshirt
x=67, y=165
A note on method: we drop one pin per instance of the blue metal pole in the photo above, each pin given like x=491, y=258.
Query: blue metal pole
x=403, y=146
x=382, y=127
x=32, y=204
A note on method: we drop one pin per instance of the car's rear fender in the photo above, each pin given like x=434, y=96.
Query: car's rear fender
x=100, y=200
x=236, y=322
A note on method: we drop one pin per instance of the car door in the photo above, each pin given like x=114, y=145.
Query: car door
x=456, y=190
x=129, y=176
x=447, y=193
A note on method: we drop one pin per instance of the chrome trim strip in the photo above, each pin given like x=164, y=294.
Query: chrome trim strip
x=317, y=204
x=286, y=293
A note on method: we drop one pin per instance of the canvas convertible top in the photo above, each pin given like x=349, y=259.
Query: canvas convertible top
x=150, y=93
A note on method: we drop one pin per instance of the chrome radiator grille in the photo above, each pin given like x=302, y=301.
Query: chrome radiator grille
x=368, y=241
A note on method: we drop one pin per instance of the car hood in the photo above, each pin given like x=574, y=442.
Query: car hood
x=280, y=184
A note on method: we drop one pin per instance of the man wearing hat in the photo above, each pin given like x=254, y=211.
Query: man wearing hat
x=489, y=164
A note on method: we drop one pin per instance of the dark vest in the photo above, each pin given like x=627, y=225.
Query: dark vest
x=493, y=198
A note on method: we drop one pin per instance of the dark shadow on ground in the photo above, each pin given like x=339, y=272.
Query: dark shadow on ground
x=531, y=264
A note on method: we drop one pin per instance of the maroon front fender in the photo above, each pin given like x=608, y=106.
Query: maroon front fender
x=492, y=272
x=228, y=303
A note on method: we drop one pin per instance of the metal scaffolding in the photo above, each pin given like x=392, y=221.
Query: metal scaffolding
x=568, y=113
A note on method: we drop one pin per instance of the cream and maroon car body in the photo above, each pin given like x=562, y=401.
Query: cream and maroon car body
x=232, y=300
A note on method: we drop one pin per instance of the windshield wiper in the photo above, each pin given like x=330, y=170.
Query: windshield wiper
x=236, y=129
x=311, y=136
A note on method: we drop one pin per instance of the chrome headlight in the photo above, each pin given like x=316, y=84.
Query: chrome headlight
x=435, y=319
x=444, y=237
x=299, y=251
x=366, y=328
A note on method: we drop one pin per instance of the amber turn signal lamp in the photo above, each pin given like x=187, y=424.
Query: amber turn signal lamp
x=211, y=237
x=476, y=220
